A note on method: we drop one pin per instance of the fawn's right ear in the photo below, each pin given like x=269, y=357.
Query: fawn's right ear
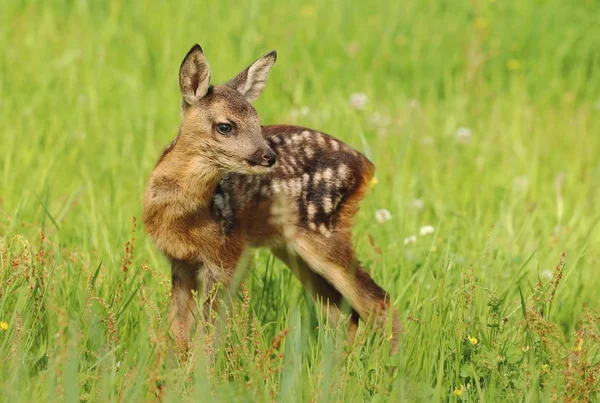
x=194, y=75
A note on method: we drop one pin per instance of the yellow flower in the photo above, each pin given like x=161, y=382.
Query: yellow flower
x=373, y=182
x=481, y=23
x=307, y=11
x=472, y=340
x=3, y=326
x=579, y=345
x=459, y=392
x=545, y=368
x=513, y=64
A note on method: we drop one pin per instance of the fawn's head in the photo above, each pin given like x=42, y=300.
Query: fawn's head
x=219, y=124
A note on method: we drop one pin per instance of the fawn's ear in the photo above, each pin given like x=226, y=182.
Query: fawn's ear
x=194, y=75
x=253, y=79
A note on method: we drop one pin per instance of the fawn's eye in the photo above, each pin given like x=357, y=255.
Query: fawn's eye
x=224, y=128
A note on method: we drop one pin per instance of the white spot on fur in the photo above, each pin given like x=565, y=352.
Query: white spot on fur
x=276, y=185
x=309, y=151
x=317, y=178
x=295, y=187
x=311, y=210
x=305, y=179
x=328, y=174
x=327, y=205
x=335, y=145
x=321, y=140
x=343, y=172
x=312, y=226
x=296, y=137
x=306, y=134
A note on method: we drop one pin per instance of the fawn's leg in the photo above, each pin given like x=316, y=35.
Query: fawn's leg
x=334, y=259
x=330, y=299
x=219, y=281
x=183, y=310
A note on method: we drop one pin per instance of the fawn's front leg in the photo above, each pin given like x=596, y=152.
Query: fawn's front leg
x=184, y=309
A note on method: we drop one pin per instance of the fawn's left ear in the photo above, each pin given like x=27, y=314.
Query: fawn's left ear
x=253, y=79
x=194, y=75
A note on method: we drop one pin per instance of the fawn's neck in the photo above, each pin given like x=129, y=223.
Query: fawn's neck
x=185, y=183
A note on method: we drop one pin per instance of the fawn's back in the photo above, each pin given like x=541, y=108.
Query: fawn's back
x=314, y=176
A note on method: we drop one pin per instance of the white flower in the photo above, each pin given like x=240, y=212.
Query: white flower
x=520, y=184
x=426, y=230
x=417, y=204
x=380, y=120
x=414, y=104
x=383, y=215
x=410, y=240
x=358, y=100
x=304, y=111
x=463, y=135
x=546, y=275
x=427, y=141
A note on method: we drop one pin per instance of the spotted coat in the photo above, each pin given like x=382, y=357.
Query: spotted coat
x=315, y=172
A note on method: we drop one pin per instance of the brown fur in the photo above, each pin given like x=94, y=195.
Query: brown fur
x=206, y=203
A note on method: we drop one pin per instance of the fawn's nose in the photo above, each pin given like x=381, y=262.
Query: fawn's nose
x=265, y=157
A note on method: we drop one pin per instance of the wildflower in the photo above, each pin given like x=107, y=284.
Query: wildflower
x=414, y=104
x=459, y=391
x=379, y=120
x=472, y=340
x=427, y=141
x=481, y=23
x=513, y=65
x=410, y=240
x=3, y=326
x=358, y=100
x=304, y=111
x=545, y=368
x=373, y=182
x=417, y=204
x=463, y=135
x=426, y=230
x=307, y=11
x=579, y=345
x=520, y=184
x=353, y=49
x=383, y=215
x=546, y=275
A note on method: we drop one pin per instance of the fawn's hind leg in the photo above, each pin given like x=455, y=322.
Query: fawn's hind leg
x=183, y=311
x=333, y=258
x=330, y=299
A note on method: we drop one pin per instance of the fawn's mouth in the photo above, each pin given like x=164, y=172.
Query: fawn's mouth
x=255, y=167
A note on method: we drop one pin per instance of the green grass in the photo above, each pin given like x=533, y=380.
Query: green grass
x=89, y=97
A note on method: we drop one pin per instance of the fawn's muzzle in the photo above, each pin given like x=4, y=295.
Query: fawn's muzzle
x=264, y=157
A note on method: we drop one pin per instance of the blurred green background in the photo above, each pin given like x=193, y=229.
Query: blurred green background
x=482, y=117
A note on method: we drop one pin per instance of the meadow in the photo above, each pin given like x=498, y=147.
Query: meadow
x=482, y=117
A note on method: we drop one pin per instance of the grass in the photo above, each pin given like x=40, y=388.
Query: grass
x=500, y=303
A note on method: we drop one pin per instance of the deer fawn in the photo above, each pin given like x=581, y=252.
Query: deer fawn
x=226, y=183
